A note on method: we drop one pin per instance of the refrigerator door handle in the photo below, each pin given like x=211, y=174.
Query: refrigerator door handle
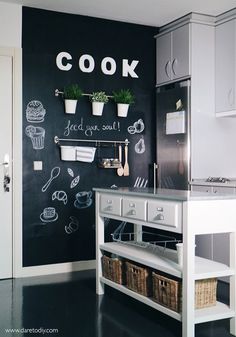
x=155, y=176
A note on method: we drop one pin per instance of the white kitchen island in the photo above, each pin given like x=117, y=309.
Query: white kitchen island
x=185, y=212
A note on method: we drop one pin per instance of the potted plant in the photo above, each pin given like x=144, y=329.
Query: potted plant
x=98, y=100
x=123, y=98
x=72, y=93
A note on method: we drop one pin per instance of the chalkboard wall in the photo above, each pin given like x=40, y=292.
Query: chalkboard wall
x=59, y=226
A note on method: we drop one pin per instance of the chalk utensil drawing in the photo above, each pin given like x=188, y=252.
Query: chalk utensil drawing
x=54, y=174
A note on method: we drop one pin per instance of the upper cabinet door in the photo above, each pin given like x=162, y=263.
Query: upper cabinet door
x=163, y=62
x=173, y=60
x=226, y=68
x=180, y=65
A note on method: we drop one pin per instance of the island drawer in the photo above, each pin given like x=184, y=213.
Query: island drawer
x=165, y=213
x=134, y=208
x=110, y=204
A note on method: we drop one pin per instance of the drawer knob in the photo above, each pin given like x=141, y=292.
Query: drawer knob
x=131, y=204
x=132, y=212
x=109, y=201
x=160, y=209
x=109, y=208
x=159, y=217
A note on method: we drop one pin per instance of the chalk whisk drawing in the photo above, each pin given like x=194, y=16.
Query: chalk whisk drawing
x=54, y=174
x=37, y=136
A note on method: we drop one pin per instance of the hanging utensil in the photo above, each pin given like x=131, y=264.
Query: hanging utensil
x=120, y=170
x=126, y=166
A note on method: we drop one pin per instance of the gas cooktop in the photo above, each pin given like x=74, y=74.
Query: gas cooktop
x=217, y=180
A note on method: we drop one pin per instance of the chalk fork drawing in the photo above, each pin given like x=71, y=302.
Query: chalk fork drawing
x=71, y=173
x=73, y=225
x=60, y=196
x=75, y=181
x=140, y=182
x=35, y=112
x=140, y=146
x=54, y=174
x=49, y=214
x=37, y=135
x=137, y=127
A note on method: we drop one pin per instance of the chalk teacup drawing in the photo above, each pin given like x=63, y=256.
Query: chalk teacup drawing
x=35, y=112
x=83, y=199
x=49, y=214
x=73, y=225
x=37, y=135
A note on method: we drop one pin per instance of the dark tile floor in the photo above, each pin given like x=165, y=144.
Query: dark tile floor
x=68, y=303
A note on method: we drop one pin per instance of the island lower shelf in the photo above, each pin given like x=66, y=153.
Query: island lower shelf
x=219, y=311
x=167, y=261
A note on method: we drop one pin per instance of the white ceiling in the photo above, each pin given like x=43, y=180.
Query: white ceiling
x=147, y=12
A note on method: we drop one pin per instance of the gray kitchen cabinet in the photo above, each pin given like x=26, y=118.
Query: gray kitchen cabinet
x=173, y=57
x=226, y=68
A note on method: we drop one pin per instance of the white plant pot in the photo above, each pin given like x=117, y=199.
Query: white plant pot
x=97, y=108
x=70, y=106
x=122, y=109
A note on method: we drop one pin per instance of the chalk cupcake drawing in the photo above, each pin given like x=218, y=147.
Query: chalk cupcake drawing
x=73, y=225
x=35, y=112
x=60, y=196
x=83, y=199
x=54, y=174
x=37, y=136
x=49, y=214
x=140, y=146
x=137, y=127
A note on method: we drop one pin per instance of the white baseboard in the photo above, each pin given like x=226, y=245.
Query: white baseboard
x=55, y=268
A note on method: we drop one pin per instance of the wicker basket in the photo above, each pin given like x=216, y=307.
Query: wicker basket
x=138, y=279
x=205, y=293
x=168, y=292
x=113, y=269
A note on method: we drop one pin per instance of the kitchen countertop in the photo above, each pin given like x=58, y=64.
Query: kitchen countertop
x=203, y=182
x=166, y=194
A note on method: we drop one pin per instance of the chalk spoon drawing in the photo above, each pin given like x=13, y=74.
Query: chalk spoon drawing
x=37, y=135
x=137, y=127
x=73, y=225
x=54, y=174
x=140, y=146
x=49, y=214
x=60, y=196
x=35, y=112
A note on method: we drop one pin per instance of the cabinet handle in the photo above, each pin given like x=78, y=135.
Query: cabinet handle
x=166, y=69
x=231, y=97
x=174, y=63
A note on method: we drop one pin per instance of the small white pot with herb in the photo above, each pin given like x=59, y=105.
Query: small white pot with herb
x=71, y=95
x=123, y=98
x=98, y=100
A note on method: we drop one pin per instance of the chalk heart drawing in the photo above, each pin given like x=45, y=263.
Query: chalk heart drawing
x=49, y=214
x=60, y=196
x=73, y=225
x=37, y=136
x=54, y=174
x=83, y=199
x=140, y=146
x=71, y=172
x=35, y=112
x=137, y=127
x=75, y=182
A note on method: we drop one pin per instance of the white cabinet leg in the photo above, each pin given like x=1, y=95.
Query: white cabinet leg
x=233, y=282
x=99, y=241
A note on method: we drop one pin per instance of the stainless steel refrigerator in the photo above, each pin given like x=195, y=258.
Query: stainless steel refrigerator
x=173, y=135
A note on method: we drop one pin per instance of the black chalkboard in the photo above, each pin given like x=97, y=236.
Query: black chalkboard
x=57, y=227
